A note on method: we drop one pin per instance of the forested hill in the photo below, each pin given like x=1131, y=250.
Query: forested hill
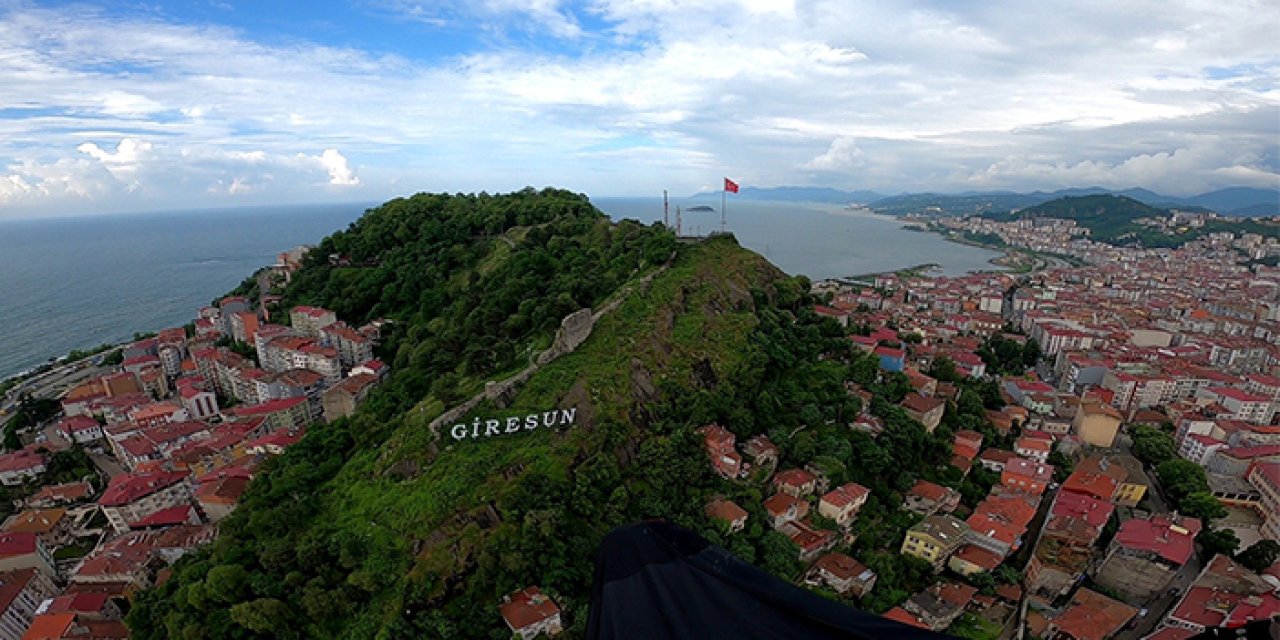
x=1101, y=207
x=374, y=527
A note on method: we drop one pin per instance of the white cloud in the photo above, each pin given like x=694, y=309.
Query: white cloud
x=122, y=111
x=842, y=155
x=339, y=173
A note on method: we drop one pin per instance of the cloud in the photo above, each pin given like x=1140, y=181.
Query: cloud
x=125, y=110
x=339, y=173
x=842, y=155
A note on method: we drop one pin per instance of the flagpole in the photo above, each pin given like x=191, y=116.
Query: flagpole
x=724, y=198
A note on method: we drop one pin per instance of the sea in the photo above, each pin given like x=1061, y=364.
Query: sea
x=77, y=282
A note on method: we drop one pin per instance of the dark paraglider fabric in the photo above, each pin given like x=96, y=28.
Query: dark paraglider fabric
x=657, y=580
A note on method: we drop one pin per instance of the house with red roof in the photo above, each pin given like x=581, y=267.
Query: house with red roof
x=927, y=498
x=926, y=411
x=720, y=444
x=71, y=626
x=1146, y=554
x=21, y=593
x=900, y=615
x=127, y=560
x=21, y=465
x=131, y=497
x=843, y=574
x=810, y=540
x=23, y=550
x=60, y=494
x=529, y=614
x=728, y=512
x=783, y=508
x=970, y=559
x=999, y=522
x=995, y=459
x=1032, y=448
x=219, y=494
x=1028, y=476
x=1091, y=616
x=79, y=429
x=90, y=604
x=842, y=503
x=274, y=444
x=285, y=413
x=795, y=482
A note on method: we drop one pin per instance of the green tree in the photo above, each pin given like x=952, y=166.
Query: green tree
x=265, y=615
x=1181, y=478
x=1202, y=505
x=1152, y=445
x=1222, y=541
x=1260, y=555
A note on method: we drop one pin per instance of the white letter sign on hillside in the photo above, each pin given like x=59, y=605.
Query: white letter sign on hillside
x=498, y=427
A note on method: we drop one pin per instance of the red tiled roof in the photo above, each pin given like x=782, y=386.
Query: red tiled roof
x=129, y=487
x=87, y=602
x=898, y=614
x=271, y=406
x=846, y=494
x=840, y=565
x=725, y=510
x=11, y=584
x=49, y=626
x=1158, y=535
x=181, y=514
x=527, y=607
x=1093, y=616
x=778, y=503
x=17, y=544
x=986, y=559
x=793, y=478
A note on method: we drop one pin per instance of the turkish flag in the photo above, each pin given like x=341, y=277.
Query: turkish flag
x=730, y=186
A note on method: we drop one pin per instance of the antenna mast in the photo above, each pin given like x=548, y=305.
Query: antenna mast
x=678, y=221
x=665, y=208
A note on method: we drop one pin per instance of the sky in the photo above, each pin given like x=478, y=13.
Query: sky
x=151, y=105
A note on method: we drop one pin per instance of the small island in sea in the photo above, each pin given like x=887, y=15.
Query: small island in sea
x=700, y=208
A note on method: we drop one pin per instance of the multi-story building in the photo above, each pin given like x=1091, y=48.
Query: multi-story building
x=843, y=574
x=21, y=593
x=934, y=539
x=25, y=551
x=131, y=497
x=1096, y=423
x=1145, y=555
x=1027, y=476
x=842, y=503
x=310, y=320
x=1265, y=477
x=352, y=346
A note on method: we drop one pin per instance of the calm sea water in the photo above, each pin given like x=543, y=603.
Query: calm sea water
x=73, y=283
x=820, y=241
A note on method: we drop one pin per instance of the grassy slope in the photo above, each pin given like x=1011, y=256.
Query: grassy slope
x=699, y=309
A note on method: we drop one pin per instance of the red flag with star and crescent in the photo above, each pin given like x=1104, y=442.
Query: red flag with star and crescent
x=730, y=186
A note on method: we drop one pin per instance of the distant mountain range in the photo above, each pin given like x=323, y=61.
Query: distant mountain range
x=1232, y=201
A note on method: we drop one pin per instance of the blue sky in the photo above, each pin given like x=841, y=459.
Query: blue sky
x=127, y=106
